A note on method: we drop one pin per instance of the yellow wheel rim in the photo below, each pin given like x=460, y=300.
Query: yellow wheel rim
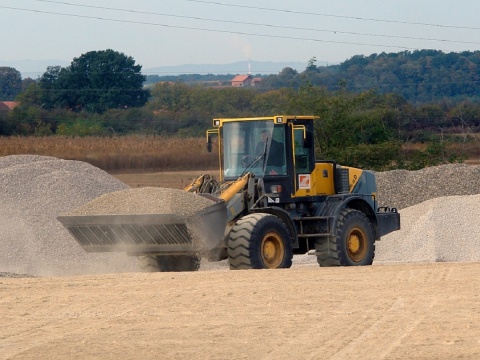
x=357, y=246
x=273, y=250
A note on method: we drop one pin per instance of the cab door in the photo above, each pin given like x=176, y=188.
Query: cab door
x=303, y=160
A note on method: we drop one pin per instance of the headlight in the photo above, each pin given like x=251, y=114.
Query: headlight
x=275, y=189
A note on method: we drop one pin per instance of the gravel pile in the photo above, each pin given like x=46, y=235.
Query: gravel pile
x=439, y=214
x=34, y=191
x=437, y=230
x=147, y=200
x=403, y=188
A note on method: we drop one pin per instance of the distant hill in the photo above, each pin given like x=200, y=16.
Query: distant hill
x=36, y=68
x=240, y=67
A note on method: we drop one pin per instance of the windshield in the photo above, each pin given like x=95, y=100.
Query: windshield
x=253, y=146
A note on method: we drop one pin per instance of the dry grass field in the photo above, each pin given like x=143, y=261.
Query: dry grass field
x=113, y=154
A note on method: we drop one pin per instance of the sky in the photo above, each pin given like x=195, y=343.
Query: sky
x=177, y=32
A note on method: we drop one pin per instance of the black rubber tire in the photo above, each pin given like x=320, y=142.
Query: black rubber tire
x=353, y=243
x=168, y=263
x=259, y=241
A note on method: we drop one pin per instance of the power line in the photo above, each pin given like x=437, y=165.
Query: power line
x=335, y=16
x=257, y=24
x=207, y=30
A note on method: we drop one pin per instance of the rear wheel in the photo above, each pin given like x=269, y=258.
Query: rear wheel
x=168, y=263
x=353, y=243
x=259, y=241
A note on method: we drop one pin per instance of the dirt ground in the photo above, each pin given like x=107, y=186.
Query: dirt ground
x=401, y=311
x=168, y=179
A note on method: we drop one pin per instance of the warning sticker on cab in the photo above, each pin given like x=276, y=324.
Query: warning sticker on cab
x=304, y=181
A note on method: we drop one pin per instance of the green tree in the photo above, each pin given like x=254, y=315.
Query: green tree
x=353, y=128
x=95, y=82
x=10, y=83
x=170, y=97
x=51, y=88
x=27, y=82
x=31, y=96
x=272, y=102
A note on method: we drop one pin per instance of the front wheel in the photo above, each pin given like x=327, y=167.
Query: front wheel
x=168, y=263
x=353, y=243
x=259, y=241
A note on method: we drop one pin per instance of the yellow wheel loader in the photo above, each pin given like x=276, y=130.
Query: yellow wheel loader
x=272, y=199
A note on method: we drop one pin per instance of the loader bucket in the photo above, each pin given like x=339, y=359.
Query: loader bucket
x=150, y=233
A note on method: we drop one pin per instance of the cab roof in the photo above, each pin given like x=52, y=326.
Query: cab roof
x=277, y=119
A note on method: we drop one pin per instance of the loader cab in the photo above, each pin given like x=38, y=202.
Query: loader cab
x=276, y=149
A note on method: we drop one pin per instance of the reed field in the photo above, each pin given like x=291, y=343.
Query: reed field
x=466, y=149
x=135, y=153
x=118, y=154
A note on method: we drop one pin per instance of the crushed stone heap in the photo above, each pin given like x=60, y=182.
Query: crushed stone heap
x=146, y=200
x=34, y=191
x=403, y=188
x=444, y=229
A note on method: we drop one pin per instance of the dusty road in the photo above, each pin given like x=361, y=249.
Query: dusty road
x=429, y=311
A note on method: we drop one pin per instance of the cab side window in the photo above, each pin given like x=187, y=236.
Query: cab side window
x=302, y=163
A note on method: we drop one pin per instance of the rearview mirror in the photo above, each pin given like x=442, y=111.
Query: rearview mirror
x=308, y=140
x=209, y=143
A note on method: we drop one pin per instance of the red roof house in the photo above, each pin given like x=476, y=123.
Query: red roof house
x=8, y=105
x=242, y=81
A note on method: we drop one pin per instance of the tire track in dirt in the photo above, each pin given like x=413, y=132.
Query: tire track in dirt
x=390, y=320
x=395, y=325
x=440, y=274
x=334, y=338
